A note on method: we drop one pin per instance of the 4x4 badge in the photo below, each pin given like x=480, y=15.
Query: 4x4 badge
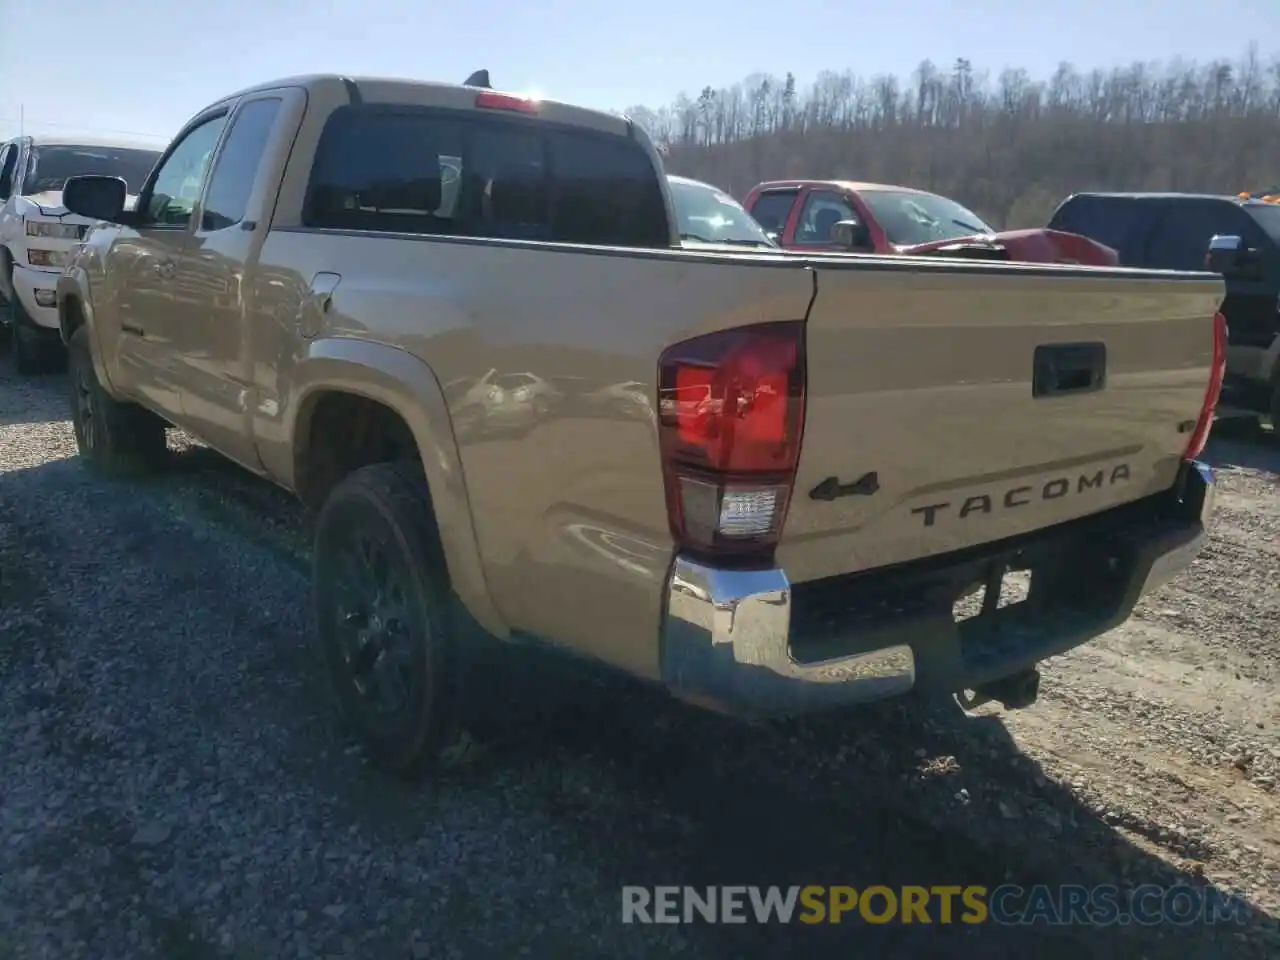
x=832, y=489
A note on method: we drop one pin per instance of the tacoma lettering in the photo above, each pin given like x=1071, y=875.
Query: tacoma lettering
x=1054, y=489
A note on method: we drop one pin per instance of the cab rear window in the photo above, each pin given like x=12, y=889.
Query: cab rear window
x=446, y=173
x=1119, y=222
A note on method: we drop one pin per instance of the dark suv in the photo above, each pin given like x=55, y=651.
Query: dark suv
x=1171, y=231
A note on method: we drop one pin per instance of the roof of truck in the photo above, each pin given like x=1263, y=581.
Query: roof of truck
x=309, y=80
x=76, y=140
x=382, y=87
x=1139, y=195
x=853, y=186
x=676, y=178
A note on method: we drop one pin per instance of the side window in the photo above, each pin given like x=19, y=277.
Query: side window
x=1250, y=229
x=380, y=169
x=1182, y=234
x=8, y=161
x=772, y=209
x=607, y=192
x=822, y=211
x=236, y=171
x=178, y=181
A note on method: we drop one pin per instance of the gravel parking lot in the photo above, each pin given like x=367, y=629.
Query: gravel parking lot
x=172, y=786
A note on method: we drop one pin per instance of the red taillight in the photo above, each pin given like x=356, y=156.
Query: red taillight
x=505, y=101
x=731, y=414
x=1200, y=436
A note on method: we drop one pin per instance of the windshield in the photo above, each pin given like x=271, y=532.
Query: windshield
x=911, y=218
x=708, y=216
x=50, y=167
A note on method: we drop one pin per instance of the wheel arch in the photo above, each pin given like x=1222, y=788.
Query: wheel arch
x=71, y=312
x=75, y=310
x=362, y=372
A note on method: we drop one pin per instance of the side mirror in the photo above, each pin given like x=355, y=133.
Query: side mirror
x=1229, y=256
x=851, y=235
x=98, y=198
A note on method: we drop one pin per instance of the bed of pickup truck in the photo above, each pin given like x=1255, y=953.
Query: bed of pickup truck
x=460, y=326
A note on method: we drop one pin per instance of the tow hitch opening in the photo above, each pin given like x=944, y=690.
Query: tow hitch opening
x=1013, y=692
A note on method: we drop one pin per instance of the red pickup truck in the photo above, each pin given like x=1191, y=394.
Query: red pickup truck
x=847, y=216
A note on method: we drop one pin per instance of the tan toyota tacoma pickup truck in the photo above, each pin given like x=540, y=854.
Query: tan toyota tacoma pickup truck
x=460, y=326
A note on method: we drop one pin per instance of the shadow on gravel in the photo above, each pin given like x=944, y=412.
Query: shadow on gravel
x=50, y=391
x=912, y=793
x=1253, y=448
x=901, y=794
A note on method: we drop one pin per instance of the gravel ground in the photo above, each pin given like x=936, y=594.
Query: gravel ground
x=171, y=784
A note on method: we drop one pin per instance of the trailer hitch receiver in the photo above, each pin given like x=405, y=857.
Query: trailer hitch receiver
x=1013, y=692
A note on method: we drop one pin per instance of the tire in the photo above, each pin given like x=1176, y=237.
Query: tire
x=389, y=649
x=114, y=439
x=35, y=350
x=6, y=313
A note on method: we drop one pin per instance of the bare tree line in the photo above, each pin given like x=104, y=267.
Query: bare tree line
x=1011, y=148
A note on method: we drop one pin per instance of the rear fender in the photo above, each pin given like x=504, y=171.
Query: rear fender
x=407, y=385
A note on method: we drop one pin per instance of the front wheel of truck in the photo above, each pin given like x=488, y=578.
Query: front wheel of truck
x=383, y=609
x=114, y=439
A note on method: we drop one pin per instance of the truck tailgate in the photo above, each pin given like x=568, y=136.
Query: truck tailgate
x=923, y=377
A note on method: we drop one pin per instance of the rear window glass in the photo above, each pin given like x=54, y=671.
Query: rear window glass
x=454, y=174
x=1119, y=222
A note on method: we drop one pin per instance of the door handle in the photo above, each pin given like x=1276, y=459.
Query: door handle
x=1067, y=368
x=165, y=269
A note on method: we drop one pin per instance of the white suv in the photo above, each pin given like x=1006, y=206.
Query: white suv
x=37, y=233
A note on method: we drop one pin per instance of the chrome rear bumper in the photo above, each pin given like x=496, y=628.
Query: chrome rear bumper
x=728, y=637
x=726, y=646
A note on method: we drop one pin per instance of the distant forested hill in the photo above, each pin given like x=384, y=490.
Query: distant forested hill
x=1011, y=147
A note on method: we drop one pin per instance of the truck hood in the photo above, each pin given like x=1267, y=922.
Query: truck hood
x=1034, y=245
x=49, y=205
